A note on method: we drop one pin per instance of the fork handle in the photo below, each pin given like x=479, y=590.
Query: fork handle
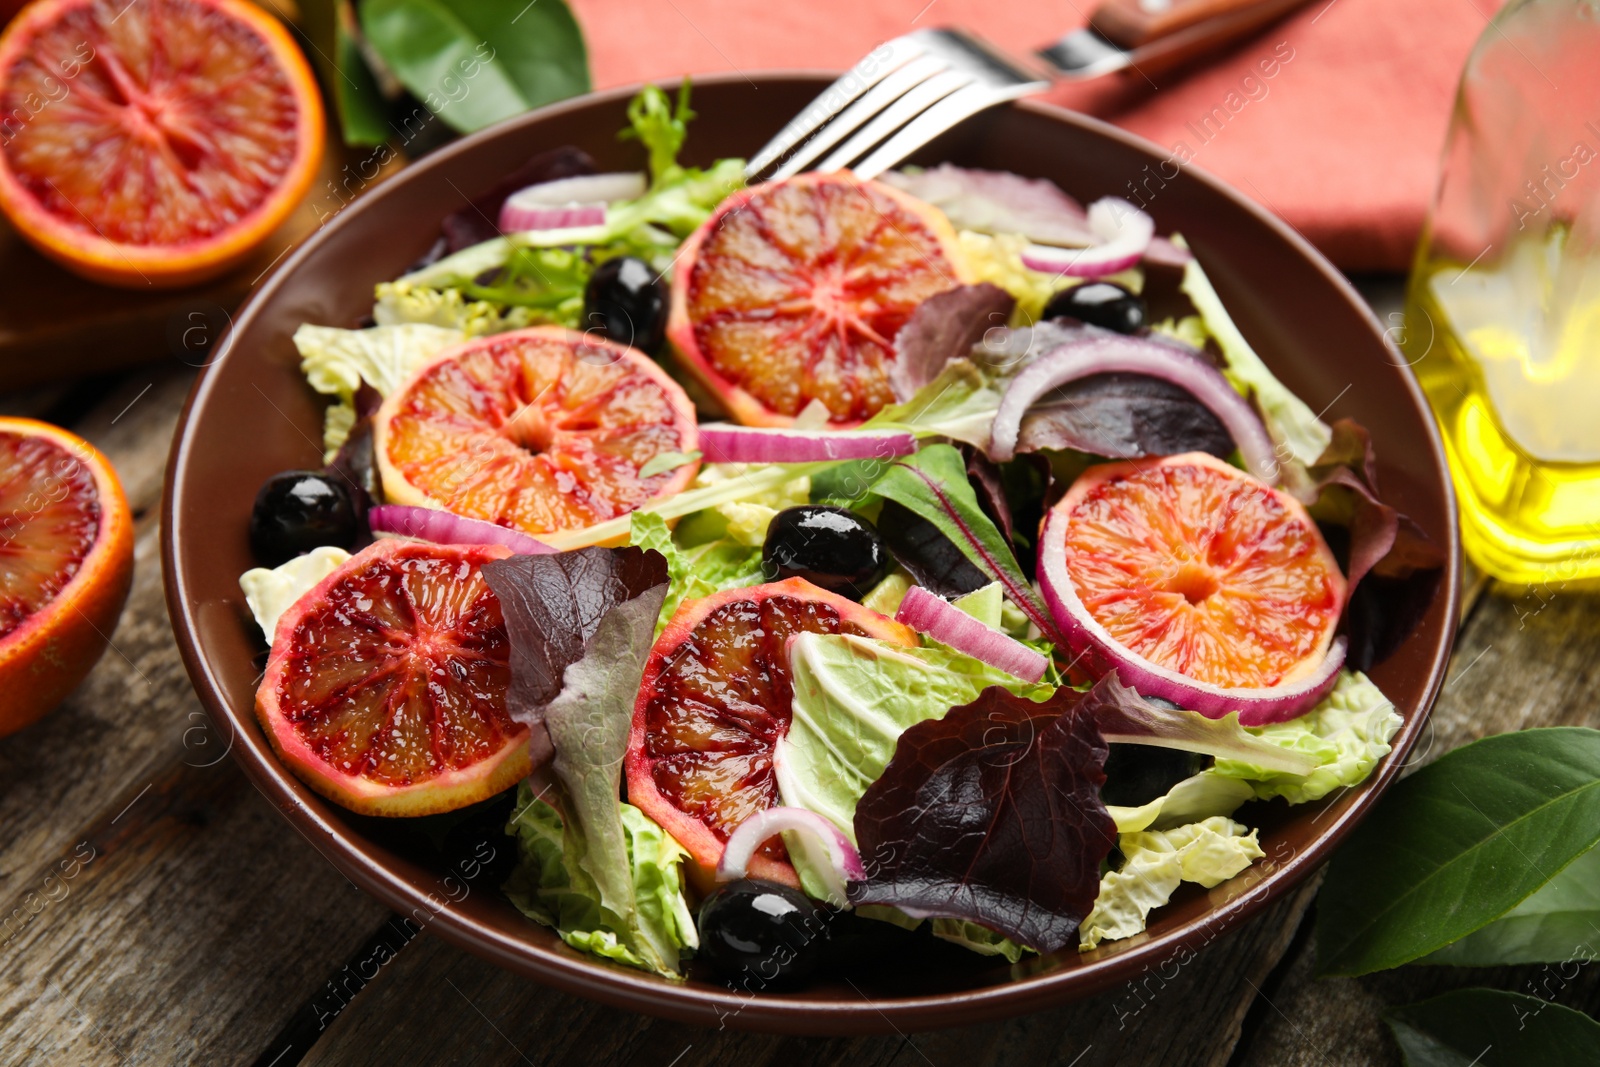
x=1174, y=31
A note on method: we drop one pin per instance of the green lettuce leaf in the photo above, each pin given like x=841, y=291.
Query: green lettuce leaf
x=697, y=571
x=853, y=698
x=1293, y=426
x=1195, y=798
x=977, y=937
x=1347, y=733
x=336, y=362
x=551, y=885
x=1154, y=863
x=272, y=591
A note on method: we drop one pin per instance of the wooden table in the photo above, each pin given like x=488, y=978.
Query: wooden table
x=199, y=927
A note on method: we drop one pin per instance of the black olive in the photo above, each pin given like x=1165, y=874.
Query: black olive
x=831, y=547
x=1137, y=774
x=296, y=511
x=626, y=302
x=1100, y=304
x=756, y=932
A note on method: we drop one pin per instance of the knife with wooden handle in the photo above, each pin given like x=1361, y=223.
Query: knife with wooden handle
x=1157, y=35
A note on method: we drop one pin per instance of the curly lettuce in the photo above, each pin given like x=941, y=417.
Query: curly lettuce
x=1347, y=733
x=338, y=362
x=550, y=886
x=1154, y=862
x=699, y=570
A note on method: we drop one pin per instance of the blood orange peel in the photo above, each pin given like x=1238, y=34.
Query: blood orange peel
x=385, y=689
x=714, y=699
x=1196, y=583
x=793, y=291
x=178, y=136
x=539, y=430
x=66, y=564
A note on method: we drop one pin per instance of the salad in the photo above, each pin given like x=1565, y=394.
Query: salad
x=986, y=610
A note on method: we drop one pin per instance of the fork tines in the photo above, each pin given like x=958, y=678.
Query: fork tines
x=904, y=93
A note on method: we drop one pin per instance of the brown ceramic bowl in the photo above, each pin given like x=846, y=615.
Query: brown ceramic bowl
x=251, y=415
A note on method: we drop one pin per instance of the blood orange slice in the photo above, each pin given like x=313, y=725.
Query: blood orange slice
x=794, y=291
x=1195, y=567
x=66, y=562
x=539, y=430
x=153, y=143
x=385, y=691
x=713, y=702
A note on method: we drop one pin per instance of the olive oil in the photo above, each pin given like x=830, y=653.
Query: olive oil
x=1508, y=351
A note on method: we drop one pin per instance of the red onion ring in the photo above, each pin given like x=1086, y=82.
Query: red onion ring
x=1101, y=653
x=844, y=861
x=944, y=622
x=1170, y=362
x=447, y=528
x=725, y=443
x=568, y=202
x=1124, y=232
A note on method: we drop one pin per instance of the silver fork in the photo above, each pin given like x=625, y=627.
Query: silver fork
x=913, y=88
x=908, y=90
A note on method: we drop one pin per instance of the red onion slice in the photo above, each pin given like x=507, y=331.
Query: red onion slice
x=446, y=528
x=1100, y=653
x=725, y=443
x=1124, y=231
x=568, y=202
x=944, y=622
x=1100, y=354
x=844, y=862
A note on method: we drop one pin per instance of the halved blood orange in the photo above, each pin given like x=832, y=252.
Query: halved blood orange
x=714, y=701
x=794, y=291
x=540, y=430
x=386, y=687
x=156, y=142
x=66, y=562
x=1198, y=568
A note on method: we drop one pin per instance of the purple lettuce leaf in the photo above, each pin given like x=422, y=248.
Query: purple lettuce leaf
x=1392, y=566
x=553, y=606
x=992, y=814
x=944, y=327
x=1123, y=416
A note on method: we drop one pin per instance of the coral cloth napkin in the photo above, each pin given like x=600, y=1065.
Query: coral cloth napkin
x=1341, y=138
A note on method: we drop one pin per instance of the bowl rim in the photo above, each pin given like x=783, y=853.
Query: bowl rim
x=623, y=988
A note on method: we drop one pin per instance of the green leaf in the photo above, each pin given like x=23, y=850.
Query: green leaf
x=933, y=483
x=474, y=64
x=1559, y=923
x=1457, y=845
x=1493, y=1028
x=363, y=112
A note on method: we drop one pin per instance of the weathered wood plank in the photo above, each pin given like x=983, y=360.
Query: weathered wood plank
x=153, y=907
x=1527, y=658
